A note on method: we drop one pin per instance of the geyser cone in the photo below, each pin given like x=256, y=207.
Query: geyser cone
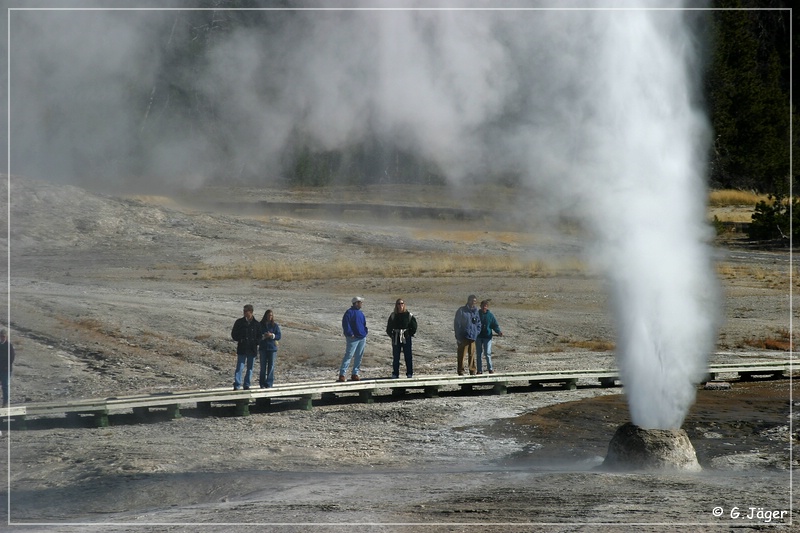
x=636, y=448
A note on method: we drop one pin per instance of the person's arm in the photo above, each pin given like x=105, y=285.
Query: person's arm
x=235, y=332
x=496, y=326
x=277, y=332
x=347, y=329
x=412, y=326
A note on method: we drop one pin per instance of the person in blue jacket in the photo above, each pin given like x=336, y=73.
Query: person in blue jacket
x=483, y=344
x=268, y=349
x=467, y=325
x=354, y=328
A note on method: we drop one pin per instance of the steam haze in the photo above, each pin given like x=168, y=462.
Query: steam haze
x=597, y=111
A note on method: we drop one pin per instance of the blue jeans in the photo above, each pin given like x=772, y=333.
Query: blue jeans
x=484, y=346
x=241, y=361
x=406, y=348
x=5, y=380
x=267, y=374
x=354, y=351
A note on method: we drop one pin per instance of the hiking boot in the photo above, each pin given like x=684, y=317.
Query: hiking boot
x=491, y=371
x=342, y=378
x=355, y=377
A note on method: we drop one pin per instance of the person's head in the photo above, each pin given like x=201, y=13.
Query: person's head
x=248, y=311
x=471, y=300
x=485, y=305
x=3, y=335
x=400, y=305
x=357, y=301
x=268, y=316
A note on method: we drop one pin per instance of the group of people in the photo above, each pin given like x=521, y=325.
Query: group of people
x=401, y=328
x=255, y=338
x=474, y=327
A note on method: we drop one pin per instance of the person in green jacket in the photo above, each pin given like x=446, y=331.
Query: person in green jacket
x=483, y=344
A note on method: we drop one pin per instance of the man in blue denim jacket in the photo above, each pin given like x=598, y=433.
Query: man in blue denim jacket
x=467, y=326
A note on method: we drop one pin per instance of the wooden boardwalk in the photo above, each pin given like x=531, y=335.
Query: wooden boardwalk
x=304, y=394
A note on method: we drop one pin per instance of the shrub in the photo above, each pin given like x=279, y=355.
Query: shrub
x=777, y=218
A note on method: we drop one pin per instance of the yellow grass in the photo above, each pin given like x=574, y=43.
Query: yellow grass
x=732, y=197
x=441, y=265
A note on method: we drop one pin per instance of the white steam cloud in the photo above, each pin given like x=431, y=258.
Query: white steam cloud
x=597, y=109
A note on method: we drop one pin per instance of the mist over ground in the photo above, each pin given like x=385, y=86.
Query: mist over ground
x=597, y=111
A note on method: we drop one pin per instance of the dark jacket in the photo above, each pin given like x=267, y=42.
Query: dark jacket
x=401, y=327
x=270, y=345
x=466, y=324
x=354, y=323
x=247, y=335
x=6, y=356
x=488, y=324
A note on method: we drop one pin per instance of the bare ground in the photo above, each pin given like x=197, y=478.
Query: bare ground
x=113, y=295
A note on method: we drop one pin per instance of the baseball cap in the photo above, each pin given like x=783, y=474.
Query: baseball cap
x=357, y=299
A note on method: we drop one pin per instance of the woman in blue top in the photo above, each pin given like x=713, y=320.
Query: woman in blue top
x=268, y=348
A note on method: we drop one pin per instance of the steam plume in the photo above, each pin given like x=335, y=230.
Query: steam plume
x=596, y=109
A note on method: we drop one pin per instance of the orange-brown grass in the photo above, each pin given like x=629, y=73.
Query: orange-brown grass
x=782, y=341
x=593, y=345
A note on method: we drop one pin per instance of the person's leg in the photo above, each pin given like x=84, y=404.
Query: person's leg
x=488, y=351
x=462, y=346
x=408, y=358
x=348, y=355
x=251, y=359
x=358, y=354
x=5, y=379
x=237, y=376
x=479, y=350
x=471, y=358
x=272, y=356
x=263, y=355
x=396, y=360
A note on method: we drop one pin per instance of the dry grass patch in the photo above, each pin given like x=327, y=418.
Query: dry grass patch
x=592, y=345
x=773, y=278
x=409, y=267
x=732, y=197
x=782, y=341
x=467, y=236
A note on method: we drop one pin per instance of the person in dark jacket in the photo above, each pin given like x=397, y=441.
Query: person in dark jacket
x=247, y=334
x=483, y=344
x=354, y=328
x=402, y=325
x=6, y=362
x=467, y=325
x=268, y=349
